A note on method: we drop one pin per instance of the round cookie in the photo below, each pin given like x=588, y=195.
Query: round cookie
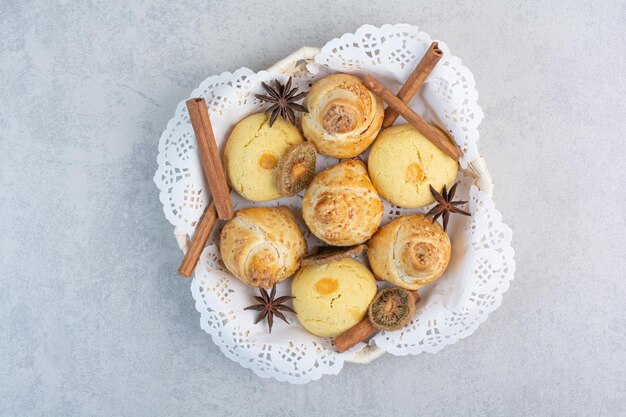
x=344, y=116
x=262, y=246
x=331, y=298
x=253, y=152
x=410, y=251
x=341, y=206
x=403, y=163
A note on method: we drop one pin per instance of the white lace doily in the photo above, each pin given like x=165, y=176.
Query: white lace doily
x=452, y=308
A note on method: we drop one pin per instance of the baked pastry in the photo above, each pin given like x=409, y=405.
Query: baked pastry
x=341, y=206
x=331, y=298
x=403, y=163
x=253, y=152
x=344, y=116
x=262, y=246
x=409, y=252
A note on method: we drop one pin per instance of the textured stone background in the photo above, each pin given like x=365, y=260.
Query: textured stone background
x=95, y=321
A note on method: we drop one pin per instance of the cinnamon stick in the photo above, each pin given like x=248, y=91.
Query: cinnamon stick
x=210, y=157
x=357, y=333
x=440, y=140
x=416, y=79
x=360, y=332
x=200, y=237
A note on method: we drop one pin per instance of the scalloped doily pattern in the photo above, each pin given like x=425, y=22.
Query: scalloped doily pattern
x=451, y=308
x=480, y=272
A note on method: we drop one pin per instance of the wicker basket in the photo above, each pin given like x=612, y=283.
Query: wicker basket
x=295, y=64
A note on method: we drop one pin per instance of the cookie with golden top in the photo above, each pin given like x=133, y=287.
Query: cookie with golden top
x=344, y=116
x=410, y=252
x=253, y=153
x=262, y=246
x=403, y=163
x=331, y=298
x=341, y=206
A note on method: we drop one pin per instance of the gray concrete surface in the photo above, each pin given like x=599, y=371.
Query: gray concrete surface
x=95, y=321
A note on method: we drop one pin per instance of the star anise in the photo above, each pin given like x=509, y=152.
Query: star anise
x=283, y=99
x=445, y=205
x=270, y=306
